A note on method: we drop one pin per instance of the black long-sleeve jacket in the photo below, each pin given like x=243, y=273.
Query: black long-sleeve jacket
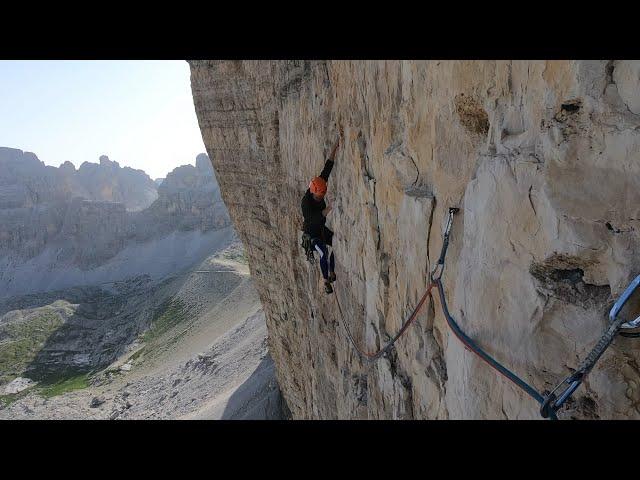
x=312, y=211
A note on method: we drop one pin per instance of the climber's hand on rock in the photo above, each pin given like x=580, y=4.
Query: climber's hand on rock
x=332, y=156
x=326, y=211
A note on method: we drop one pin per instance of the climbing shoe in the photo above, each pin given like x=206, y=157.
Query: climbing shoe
x=327, y=287
x=332, y=277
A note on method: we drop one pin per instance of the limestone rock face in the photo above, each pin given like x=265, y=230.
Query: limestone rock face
x=543, y=160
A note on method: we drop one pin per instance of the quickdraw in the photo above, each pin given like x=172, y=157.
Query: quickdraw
x=549, y=403
x=553, y=402
x=464, y=338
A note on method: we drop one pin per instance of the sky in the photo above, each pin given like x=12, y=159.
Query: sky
x=139, y=113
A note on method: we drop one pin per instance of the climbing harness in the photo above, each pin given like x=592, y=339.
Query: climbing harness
x=553, y=402
x=308, y=248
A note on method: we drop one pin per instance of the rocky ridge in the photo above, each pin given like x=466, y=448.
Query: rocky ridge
x=102, y=223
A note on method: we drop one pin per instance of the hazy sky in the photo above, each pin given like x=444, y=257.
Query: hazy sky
x=139, y=113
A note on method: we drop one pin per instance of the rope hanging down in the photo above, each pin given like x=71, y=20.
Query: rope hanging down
x=468, y=343
x=373, y=356
x=436, y=276
x=549, y=403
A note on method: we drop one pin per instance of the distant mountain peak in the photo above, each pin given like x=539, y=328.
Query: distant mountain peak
x=105, y=162
x=67, y=166
x=203, y=164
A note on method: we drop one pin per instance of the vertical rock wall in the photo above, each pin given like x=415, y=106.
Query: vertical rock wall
x=541, y=157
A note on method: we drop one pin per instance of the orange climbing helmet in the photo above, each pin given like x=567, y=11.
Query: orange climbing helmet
x=318, y=186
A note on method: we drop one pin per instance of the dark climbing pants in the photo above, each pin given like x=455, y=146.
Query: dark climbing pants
x=327, y=261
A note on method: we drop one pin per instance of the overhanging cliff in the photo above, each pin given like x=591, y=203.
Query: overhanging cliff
x=543, y=159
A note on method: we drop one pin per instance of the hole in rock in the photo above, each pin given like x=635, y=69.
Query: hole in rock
x=571, y=107
x=563, y=278
x=612, y=228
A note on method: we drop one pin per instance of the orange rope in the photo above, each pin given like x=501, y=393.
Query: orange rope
x=373, y=356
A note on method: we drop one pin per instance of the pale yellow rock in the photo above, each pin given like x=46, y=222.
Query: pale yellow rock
x=543, y=158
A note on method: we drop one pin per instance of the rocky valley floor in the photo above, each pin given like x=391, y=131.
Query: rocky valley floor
x=203, y=354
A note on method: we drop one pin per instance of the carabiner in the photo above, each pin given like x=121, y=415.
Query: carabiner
x=552, y=402
x=452, y=212
x=445, y=245
x=615, y=310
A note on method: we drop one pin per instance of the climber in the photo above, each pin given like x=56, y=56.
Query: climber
x=316, y=235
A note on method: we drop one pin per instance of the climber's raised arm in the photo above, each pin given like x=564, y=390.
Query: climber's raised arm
x=328, y=165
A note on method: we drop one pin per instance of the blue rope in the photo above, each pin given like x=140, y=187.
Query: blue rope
x=484, y=355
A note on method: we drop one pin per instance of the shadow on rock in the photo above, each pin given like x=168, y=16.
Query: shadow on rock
x=258, y=398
